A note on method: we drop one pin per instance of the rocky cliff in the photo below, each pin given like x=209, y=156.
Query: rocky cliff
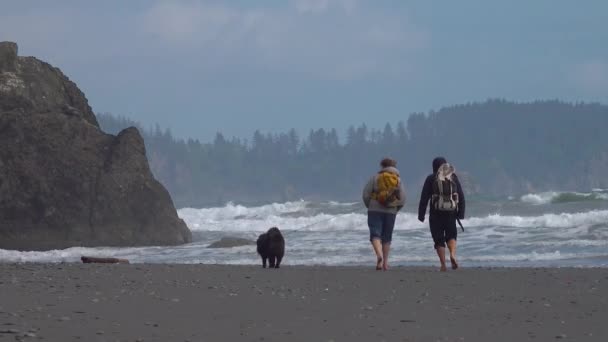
x=63, y=182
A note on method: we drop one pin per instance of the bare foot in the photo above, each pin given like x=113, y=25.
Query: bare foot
x=454, y=263
x=379, y=264
x=443, y=268
x=385, y=266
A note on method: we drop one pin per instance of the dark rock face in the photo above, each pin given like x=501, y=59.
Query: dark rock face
x=63, y=182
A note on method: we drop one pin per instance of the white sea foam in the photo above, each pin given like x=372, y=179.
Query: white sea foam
x=563, y=197
x=563, y=220
x=340, y=204
x=540, y=198
x=331, y=233
x=405, y=221
x=231, y=211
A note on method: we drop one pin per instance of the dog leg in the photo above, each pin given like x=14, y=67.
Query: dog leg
x=272, y=261
x=279, y=258
x=263, y=262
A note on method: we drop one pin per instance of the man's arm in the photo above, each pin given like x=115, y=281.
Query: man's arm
x=402, y=196
x=461, y=200
x=367, y=192
x=425, y=195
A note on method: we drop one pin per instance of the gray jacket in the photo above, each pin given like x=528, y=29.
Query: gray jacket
x=372, y=185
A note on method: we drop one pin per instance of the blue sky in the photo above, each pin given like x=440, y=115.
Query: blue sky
x=200, y=67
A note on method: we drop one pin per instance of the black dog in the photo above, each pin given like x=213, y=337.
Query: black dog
x=271, y=246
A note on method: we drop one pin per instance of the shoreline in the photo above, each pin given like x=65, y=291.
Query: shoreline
x=173, y=302
x=362, y=267
x=598, y=262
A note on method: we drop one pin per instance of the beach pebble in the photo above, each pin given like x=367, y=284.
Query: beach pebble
x=561, y=336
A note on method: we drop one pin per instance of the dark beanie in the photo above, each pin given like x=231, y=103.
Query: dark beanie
x=437, y=162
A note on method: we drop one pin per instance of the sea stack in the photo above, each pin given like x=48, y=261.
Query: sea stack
x=64, y=182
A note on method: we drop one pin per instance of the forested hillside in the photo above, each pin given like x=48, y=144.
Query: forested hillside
x=499, y=148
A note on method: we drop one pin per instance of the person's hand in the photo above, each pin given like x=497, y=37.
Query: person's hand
x=421, y=218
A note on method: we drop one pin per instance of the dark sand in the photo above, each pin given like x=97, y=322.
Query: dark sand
x=96, y=302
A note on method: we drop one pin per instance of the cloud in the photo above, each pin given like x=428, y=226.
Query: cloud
x=42, y=29
x=321, y=6
x=310, y=39
x=591, y=77
x=195, y=23
x=67, y=35
x=320, y=38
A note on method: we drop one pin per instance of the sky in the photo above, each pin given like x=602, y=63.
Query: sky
x=201, y=67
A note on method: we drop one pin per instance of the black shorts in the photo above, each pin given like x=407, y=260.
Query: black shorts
x=443, y=229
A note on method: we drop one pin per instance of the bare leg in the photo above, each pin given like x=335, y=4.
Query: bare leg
x=377, y=245
x=386, y=248
x=441, y=254
x=452, y=248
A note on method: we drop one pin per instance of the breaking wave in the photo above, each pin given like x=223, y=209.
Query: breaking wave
x=552, y=197
x=333, y=233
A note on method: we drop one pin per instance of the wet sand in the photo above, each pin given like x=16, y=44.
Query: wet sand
x=97, y=302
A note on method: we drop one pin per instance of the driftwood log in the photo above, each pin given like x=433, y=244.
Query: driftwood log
x=90, y=260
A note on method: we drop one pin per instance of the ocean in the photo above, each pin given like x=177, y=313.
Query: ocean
x=550, y=229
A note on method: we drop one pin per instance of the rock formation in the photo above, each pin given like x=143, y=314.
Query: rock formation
x=64, y=182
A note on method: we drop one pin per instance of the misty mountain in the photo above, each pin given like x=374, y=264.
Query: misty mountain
x=499, y=148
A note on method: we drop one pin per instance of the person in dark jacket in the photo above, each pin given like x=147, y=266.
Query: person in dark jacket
x=442, y=223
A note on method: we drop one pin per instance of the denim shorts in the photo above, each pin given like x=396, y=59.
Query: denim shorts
x=381, y=225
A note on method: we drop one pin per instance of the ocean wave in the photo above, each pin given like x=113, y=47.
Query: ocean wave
x=233, y=211
x=340, y=237
x=72, y=254
x=258, y=219
x=564, y=197
x=342, y=204
x=400, y=256
x=563, y=220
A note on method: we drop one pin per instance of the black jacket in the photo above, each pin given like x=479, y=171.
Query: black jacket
x=427, y=193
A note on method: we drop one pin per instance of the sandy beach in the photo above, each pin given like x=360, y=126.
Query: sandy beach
x=143, y=302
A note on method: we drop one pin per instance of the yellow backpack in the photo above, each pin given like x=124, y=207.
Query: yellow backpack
x=387, y=189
